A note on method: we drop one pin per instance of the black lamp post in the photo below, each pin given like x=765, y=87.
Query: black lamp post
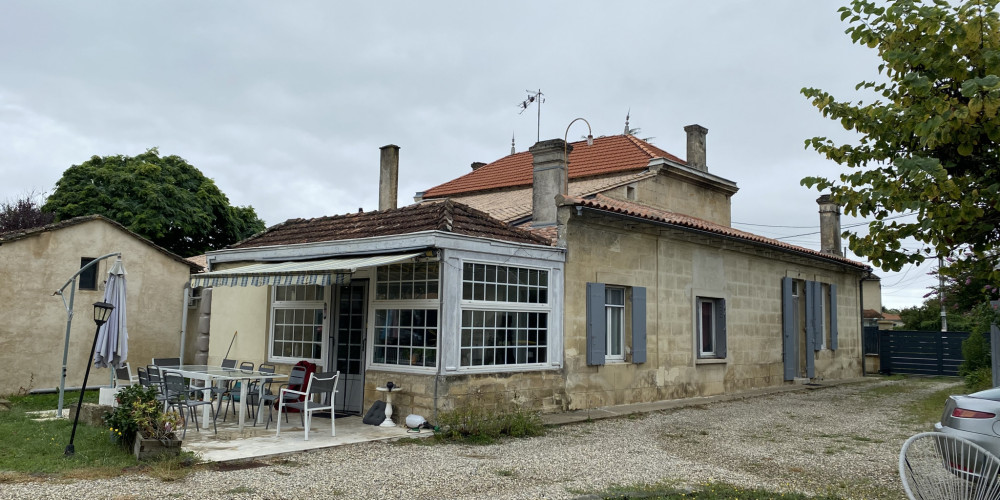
x=101, y=312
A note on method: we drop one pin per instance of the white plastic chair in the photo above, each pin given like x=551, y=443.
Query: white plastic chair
x=934, y=465
x=320, y=384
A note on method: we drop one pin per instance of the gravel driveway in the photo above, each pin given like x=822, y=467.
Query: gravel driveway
x=842, y=440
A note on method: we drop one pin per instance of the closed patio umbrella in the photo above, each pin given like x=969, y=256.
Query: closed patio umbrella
x=112, y=340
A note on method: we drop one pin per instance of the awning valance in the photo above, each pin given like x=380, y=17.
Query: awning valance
x=314, y=272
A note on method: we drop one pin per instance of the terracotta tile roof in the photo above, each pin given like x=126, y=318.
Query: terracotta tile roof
x=602, y=202
x=27, y=233
x=443, y=215
x=199, y=260
x=892, y=317
x=871, y=314
x=550, y=233
x=614, y=154
x=512, y=204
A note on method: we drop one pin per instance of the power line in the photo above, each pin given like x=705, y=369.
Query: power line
x=857, y=224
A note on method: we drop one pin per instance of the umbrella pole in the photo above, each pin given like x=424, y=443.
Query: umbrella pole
x=70, y=450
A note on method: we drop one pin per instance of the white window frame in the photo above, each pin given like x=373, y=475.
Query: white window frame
x=377, y=305
x=615, y=313
x=320, y=304
x=504, y=307
x=702, y=352
x=719, y=353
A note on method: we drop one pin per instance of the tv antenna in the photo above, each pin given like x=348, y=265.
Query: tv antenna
x=534, y=96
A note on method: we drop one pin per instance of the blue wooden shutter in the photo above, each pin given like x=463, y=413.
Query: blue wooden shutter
x=720, y=328
x=833, y=317
x=638, y=324
x=596, y=324
x=812, y=312
x=788, y=346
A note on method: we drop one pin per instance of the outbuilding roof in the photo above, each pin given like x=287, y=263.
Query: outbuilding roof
x=35, y=231
x=444, y=215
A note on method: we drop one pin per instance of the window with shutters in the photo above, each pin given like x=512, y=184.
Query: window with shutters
x=616, y=324
x=710, y=327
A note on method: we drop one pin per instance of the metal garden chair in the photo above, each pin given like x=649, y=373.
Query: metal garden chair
x=179, y=395
x=934, y=465
x=297, y=378
x=322, y=386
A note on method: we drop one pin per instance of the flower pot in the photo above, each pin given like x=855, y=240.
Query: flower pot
x=147, y=448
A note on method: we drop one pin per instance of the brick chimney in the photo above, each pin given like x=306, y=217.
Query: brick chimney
x=829, y=226
x=550, y=178
x=696, y=147
x=388, y=180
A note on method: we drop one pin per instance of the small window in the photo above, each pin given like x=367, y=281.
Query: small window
x=710, y=327
x=630, y=192
x=614, y=310
x=88, y=278
x=824, y=305
x=616, y=319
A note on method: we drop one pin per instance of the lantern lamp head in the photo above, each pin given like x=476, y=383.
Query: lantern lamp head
x=102, y=310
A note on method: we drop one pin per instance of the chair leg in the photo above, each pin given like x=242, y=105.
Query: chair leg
x=215, y=417
x=306, y=422
x=281, y=406
x=194, y=417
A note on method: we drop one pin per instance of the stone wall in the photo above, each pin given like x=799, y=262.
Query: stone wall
x=541, y=390
x=675, y=267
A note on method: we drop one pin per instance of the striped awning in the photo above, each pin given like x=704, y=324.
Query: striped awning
x=313, y=272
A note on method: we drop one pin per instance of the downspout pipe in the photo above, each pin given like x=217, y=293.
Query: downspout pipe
x=69, y=321
x=861, y=318
x=184, y=316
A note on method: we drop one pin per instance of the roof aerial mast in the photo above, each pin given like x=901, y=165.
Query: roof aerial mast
x=532, y=97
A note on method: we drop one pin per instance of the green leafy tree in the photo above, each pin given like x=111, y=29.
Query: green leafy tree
x=929, y=142
x=164, y=199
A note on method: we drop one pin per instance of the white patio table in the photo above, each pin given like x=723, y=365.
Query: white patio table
x=213, y=374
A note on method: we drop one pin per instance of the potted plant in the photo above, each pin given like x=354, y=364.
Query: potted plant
x=139, y=423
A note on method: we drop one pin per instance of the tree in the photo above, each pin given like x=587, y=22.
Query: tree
x=164, y=199
x=23, y=213
x=929, y=143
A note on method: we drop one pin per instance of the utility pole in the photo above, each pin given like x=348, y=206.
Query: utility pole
x=944, y=315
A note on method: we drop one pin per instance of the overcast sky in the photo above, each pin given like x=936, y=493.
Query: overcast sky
x=285, y=104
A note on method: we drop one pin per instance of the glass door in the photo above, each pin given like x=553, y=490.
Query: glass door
x=349, y=346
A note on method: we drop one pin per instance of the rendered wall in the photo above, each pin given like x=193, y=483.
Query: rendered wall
x=34, y=327
x=242, y=311
x=669, y=192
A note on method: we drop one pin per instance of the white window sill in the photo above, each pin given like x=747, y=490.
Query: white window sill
x=711, y=361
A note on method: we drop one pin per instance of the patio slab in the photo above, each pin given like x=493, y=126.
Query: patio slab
x=257, y=442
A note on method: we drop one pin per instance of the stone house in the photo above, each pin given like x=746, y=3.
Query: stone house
x=615, y=280
x=37, y=262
